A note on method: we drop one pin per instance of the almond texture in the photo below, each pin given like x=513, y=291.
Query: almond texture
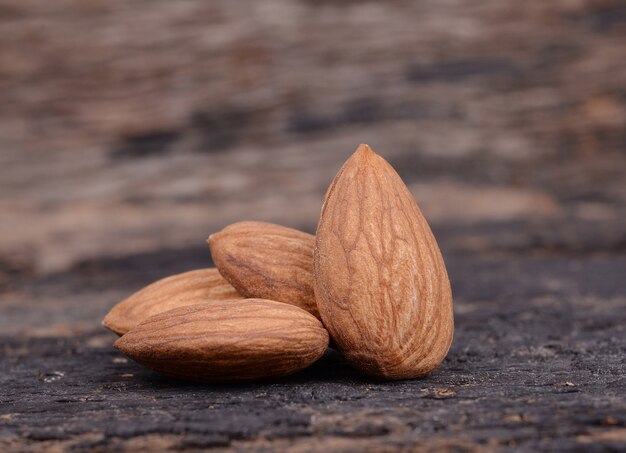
x=267, y=261
x=380, y=280
x=223, y=341
x=172, y=292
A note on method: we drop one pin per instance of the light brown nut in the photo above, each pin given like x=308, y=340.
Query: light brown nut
x=267, y=261
x=380, y=281
x=223, y=341
x=171, y=292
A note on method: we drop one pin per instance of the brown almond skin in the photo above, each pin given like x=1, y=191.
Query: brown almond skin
x=381, y=284
x=188, y=288
x=222, y=341
x=267, y=261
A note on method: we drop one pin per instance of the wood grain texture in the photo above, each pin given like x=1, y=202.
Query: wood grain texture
x=380, y=280
x=221, y=341
x=267, y=261
x=179, y=290
x=492, y=97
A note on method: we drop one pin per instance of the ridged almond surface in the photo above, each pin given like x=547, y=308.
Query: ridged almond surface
x=188, y=288
x=222, y=341
x=267, y=261
x=380, y=280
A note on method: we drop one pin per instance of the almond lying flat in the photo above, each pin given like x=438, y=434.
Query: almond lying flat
x=172, y=292
x=223, y=341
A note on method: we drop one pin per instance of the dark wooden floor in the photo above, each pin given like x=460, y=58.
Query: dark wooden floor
x=538, y=363
x=123, y=149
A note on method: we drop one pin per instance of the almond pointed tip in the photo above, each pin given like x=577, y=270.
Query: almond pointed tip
x=122, y=344
x=113, y=324
x=364, y=149
x=364, y=153
x=214, y=236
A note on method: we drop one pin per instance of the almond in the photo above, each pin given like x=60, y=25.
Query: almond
x=172, y=292
x=267, y=261
x=222, y=341
x=380, y=280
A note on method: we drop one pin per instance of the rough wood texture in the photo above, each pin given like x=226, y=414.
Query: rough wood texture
x=380, y=281
x=130, y=131
x=537, y=366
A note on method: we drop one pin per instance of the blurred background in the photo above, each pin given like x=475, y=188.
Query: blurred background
x=129, y=131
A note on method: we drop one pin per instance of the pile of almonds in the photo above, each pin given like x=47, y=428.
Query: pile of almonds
x=372, y=280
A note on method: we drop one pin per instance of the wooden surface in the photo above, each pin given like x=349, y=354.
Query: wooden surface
x=131, y=131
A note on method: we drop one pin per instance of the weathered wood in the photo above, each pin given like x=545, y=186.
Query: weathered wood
x=130, y=131
x=537, y=363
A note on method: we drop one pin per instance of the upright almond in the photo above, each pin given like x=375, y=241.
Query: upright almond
x=380, y=281
x=267, y=261
x=179, y=290
x=222, y=341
